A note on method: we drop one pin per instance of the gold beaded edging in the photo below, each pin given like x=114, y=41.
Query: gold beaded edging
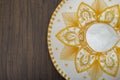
x=49, y=41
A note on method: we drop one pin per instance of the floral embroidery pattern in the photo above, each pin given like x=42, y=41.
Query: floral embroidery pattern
x=74, y=38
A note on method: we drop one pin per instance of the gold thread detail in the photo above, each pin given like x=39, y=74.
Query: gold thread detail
x=49, y=41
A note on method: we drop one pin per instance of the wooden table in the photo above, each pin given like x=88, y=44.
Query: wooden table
x=23, y=42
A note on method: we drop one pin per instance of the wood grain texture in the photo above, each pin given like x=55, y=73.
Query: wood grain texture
x=23, y=40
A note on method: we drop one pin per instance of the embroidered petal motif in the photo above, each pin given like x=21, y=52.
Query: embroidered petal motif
x=68, y=53
x=99, y=6
x=109, y=63
x=110, y=15
x=95, y=71
x=74, y=38
x=84, y=61
x=86, y=15
x=70, y=18
x=69, y=36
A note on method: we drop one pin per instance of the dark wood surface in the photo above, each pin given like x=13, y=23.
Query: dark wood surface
x=23, y=42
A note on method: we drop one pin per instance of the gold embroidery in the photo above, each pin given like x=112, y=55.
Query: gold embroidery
x=109, y=16
x=85, y=14
x=99, y=6
x=70, y=18
x=74, y=35
x=69, y=36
